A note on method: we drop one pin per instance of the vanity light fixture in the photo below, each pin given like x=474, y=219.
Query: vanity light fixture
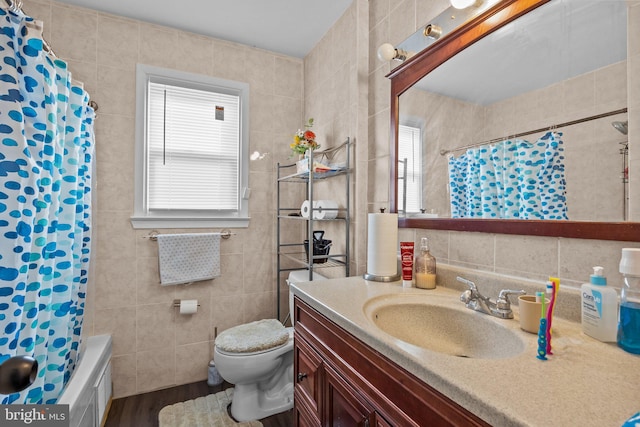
x=462, y=4
x=432, y=31
x=387, y=52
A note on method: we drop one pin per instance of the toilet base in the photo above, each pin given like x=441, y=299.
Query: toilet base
x=263, y=381
x=249, y=403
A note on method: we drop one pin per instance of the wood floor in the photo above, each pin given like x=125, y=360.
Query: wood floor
x=142, y=410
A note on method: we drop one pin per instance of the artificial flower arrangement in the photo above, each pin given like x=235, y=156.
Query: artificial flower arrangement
x=304, y=140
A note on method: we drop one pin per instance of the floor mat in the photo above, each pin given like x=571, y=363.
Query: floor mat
x=207, y=411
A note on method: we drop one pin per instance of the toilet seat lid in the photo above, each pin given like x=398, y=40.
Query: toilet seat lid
x=253, y=337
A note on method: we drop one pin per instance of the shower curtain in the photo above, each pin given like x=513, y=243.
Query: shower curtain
x=510, y=179
x=46, y=150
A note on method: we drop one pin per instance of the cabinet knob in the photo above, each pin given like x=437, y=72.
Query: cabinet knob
x=301, y=376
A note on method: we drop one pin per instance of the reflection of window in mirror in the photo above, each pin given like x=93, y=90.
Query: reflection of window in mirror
x=410, y=149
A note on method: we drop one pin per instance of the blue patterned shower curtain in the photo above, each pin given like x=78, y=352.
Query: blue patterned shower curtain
x=46, y=151
x=510, y=179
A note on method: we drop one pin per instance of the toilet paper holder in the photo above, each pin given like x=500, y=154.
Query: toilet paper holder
x=176, y=303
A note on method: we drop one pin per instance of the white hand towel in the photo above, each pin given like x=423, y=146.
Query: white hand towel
x=186, y=258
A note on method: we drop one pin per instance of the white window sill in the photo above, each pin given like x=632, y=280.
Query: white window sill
x=142, y=222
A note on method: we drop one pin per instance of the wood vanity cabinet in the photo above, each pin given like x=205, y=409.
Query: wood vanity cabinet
x=340, y=381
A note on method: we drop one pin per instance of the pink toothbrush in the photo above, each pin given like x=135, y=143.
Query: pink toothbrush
x=552, y=291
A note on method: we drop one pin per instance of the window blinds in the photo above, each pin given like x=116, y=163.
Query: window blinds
x=193, y=149
x=409, y=144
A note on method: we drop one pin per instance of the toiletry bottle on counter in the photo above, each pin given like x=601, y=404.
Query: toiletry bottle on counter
x=406, y=253
x=599, y=308
x=629, y=326
x=424, y=267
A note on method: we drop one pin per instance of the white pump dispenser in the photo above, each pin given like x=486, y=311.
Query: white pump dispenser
x=599, y=308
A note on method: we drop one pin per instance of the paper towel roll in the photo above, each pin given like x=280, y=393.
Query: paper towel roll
x=305, y=209
x=328, y=209
x=382, y=244
x=188, y=306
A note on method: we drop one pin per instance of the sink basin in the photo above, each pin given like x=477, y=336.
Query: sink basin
x=424, y=321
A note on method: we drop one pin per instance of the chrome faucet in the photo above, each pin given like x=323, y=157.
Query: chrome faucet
x=474, y=300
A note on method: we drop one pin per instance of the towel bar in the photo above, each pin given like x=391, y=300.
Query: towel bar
x=153, y=235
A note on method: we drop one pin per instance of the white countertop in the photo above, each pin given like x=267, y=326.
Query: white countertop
x=584, y=383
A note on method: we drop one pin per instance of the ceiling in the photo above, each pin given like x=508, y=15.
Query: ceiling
x=290, y=27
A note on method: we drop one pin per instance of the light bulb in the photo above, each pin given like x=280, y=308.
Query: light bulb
x=462, y=4
x=386, y=52
x=256, y=155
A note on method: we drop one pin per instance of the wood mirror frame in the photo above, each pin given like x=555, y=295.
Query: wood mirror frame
x=411, y=71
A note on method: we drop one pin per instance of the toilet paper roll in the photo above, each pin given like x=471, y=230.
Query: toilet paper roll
x=327, y=209
x=382, y=244
x=305, y=209
x=188, y=306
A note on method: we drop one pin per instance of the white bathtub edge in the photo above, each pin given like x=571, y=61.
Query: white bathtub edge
x=79, y=392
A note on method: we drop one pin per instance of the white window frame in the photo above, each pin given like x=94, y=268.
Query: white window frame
x=416, y=166
x=144, y=218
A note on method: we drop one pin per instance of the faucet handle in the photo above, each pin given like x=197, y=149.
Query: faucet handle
x=503, y=302
x=466, y=296
x=469, y=283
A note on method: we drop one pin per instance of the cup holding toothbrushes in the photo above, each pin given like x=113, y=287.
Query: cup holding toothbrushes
x=530, y=310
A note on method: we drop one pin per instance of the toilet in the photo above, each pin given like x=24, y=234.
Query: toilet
x=257, y=358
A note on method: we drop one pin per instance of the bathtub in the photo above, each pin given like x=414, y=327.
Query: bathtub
x=88, y=392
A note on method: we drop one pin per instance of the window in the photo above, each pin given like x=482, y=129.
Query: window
x=409, y=148
x=191, y=151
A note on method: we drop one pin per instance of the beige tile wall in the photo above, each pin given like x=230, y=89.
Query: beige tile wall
x=154, y=346
x=336, y=93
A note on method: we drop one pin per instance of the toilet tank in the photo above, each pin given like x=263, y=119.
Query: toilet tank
x=299, y=276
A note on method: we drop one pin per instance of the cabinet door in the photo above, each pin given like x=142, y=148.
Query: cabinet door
x=302, y=417
x=381, y=422
x=308, y=374
x=344, y=406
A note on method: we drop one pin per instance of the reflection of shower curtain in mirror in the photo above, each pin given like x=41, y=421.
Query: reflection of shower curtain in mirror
x=510, y=179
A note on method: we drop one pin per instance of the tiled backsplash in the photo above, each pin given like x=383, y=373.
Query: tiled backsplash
x=490, y=285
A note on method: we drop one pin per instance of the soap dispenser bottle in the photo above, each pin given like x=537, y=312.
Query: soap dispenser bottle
x=424, y=267
x=629, y=326
x=599, y=308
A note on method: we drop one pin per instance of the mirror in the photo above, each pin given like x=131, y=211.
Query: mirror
x=452, y=96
